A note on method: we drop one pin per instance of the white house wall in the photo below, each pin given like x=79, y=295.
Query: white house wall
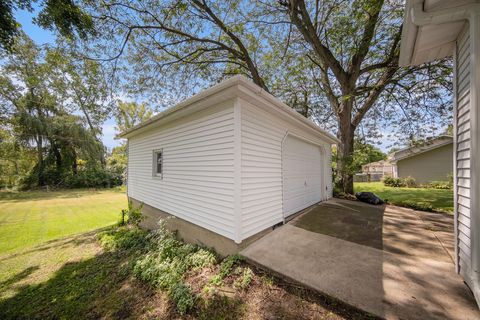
x=262, y=134
x=198, y=157
x=462, y=153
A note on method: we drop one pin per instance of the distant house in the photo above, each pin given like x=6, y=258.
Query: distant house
x=429, y=161
x=378, y=169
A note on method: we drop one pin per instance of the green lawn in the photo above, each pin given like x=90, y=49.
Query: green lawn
x=31, y=218
x=441, y=200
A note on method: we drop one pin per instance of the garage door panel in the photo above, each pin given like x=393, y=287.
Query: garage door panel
x=302, y=175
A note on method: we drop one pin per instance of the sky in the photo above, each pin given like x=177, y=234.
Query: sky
x=41, y=37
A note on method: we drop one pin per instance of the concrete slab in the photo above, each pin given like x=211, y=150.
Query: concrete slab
x=387, y=261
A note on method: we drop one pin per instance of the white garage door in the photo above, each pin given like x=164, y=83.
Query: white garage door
x=302, y=175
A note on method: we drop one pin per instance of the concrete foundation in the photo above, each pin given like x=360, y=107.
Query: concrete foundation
x=192, y=233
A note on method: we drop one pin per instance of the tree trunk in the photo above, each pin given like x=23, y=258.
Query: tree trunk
x=40, y=165
x=345, y=153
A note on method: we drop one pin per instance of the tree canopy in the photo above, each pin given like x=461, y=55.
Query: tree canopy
x=43, y=116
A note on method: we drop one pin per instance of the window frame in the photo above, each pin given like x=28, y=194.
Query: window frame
x=155, y=173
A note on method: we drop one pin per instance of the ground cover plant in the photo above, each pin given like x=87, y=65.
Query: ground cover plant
x=425, y=199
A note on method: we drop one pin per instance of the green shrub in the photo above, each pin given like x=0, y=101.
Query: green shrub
x=439, y=185
x=123, y=238
x=393, y=182
x=422, y=206
x=166, y=263
x=410, y=182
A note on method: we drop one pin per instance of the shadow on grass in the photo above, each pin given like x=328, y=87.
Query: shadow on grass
x=99, y=287
x=57, y=244
x=18, y=277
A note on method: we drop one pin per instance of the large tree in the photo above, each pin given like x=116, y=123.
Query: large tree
x=335, y=61
x=39, y=116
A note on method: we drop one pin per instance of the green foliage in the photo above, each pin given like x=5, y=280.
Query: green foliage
x=123, y=239
x=226, y=268
x=393, y=182
x=363, y=153
x=245, y=279
x=129, y=114
x=117, y=161
x=134, y=214
x=410, y=182
x=167, y=261
x=55, y=107
x=62, y=15
x=183, y=297
x=440, y=185
x=422, y=206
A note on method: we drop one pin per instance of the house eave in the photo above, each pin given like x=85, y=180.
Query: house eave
x=422, y=22
x=415, y=151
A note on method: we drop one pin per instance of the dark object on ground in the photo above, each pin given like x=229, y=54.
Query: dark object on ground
x=369, y=197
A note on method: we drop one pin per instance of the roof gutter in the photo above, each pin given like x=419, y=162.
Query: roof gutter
x=419, y=17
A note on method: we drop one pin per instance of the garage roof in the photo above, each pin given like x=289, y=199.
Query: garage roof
x=430, y=28
x=237, y=86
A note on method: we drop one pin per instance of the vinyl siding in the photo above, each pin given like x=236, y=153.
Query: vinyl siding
x=432, y=165
x=463, y=150
x=198, y=171
x=262, y=134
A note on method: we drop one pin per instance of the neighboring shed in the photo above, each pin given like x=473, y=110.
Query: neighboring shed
x=230, y=162
x=427, y=162
x=435, y=29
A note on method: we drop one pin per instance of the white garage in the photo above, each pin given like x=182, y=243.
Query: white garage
x=229, y=163
x=303, y=181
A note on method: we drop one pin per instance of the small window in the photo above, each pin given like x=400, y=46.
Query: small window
x=158, y=163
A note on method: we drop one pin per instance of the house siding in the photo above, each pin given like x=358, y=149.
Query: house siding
x=262, y=135
x=462, y=153
x=198, y=173
x=432, y=165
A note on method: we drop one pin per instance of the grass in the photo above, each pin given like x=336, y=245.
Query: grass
x=439, y=200
x=119, y=273
x=30, y=218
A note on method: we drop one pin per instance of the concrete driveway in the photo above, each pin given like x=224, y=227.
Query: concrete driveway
x=393, y=262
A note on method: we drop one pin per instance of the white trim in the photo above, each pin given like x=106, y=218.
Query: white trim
x=237, y=168
x=281, y=168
